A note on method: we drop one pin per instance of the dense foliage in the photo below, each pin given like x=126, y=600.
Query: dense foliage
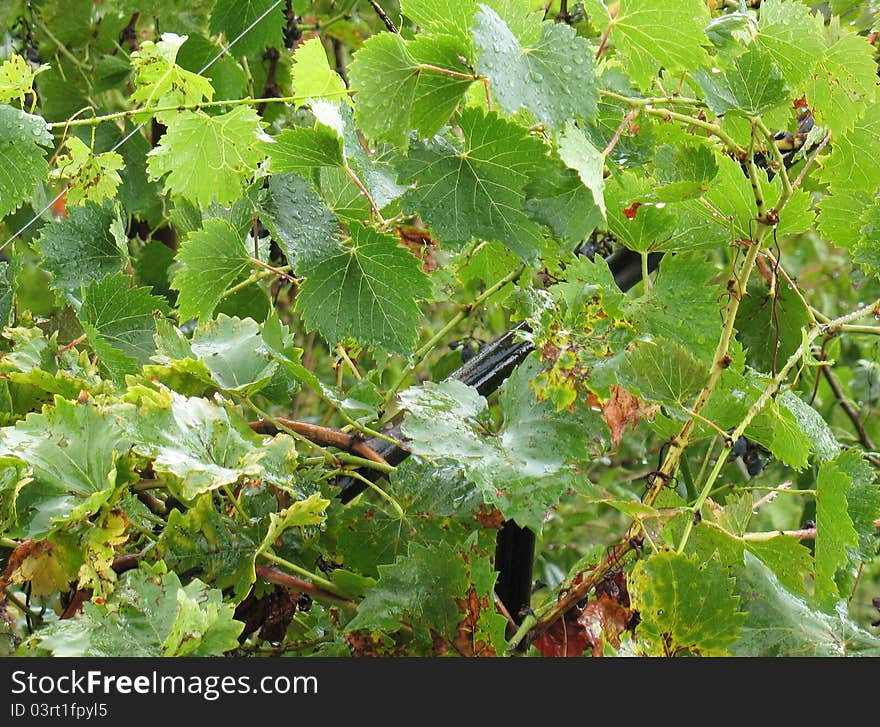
x=241, y=237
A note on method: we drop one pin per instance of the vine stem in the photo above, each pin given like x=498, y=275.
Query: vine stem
x=779, y=167
x=422, y=352
x=379, y=491
x=770, y=390
x=152, y=110
x=294, y=568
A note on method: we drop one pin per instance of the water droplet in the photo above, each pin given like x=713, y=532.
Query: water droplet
x=536, y=77
x=566, y=68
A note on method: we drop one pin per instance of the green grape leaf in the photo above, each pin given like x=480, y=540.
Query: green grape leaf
x=300, y=514
x=149, y=614
x=90, y=177
x=780, y=623
x=72, y=452
x=120, y=322
x=419, y=589
x=366, y=289
x=681, y=305
x=840, y=216
x=835, y=533
x=212, y=261
x=252, y=25
x=210, y=545
x=235, y=354
x=848, y=167
x=843, y=84
x=312, y=76
x=23, y=139
x=301, y=150
x=684, y=171
x=641, y=225
x=475, y=188
x=389, y=72
x=208, y=157
x=664, y=372
x=654, y=33
x=863, y=501
x=557, y=197
x=777, y=429
x=580, y=155
x=792, y=37
x=685, y=604
x=197, y=444
x=752, y=86
x=298, y=220
x=84, y=246
x=811, y=423
x=513, y=468
x=769, y=326
x=159, y=81
x=554, y=78
x=17, y=79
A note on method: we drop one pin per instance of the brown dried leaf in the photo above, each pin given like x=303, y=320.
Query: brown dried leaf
x=467, y=641
x=604, y=620
x=623, y=409
x=563, y=638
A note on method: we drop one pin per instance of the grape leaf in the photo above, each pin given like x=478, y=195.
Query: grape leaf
x=554, y=78
x=654, y=33
x=848, y=167
x=72, y=452
x=373, y=170
x=84, y=246
x=208, y=157
x=664, y=372
x=474, y=189
x=17, y=79
x=367, y=289
x=752, y=86
x=681, y=305
x=843, y=84
x=90, y=177
x=252, y=25
x=811, y=423
x=297, y=218
x=834, y=530
x=419, y=589
x=212, y=261
x=513, y=468
x=199, y=446
x=300, y=514
x=312, y=76
x=839, y=216
x=781, y=624
x=685, y=170
x=22, y=160
x=792, y=36
x=685, y=604
x=301, y=150
x=149, y=614
x=863, y=501
x=159, y=81
x=234, y=353
x=390, y=72
x=580, y=155
x=120, y=322
x=557, y=197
